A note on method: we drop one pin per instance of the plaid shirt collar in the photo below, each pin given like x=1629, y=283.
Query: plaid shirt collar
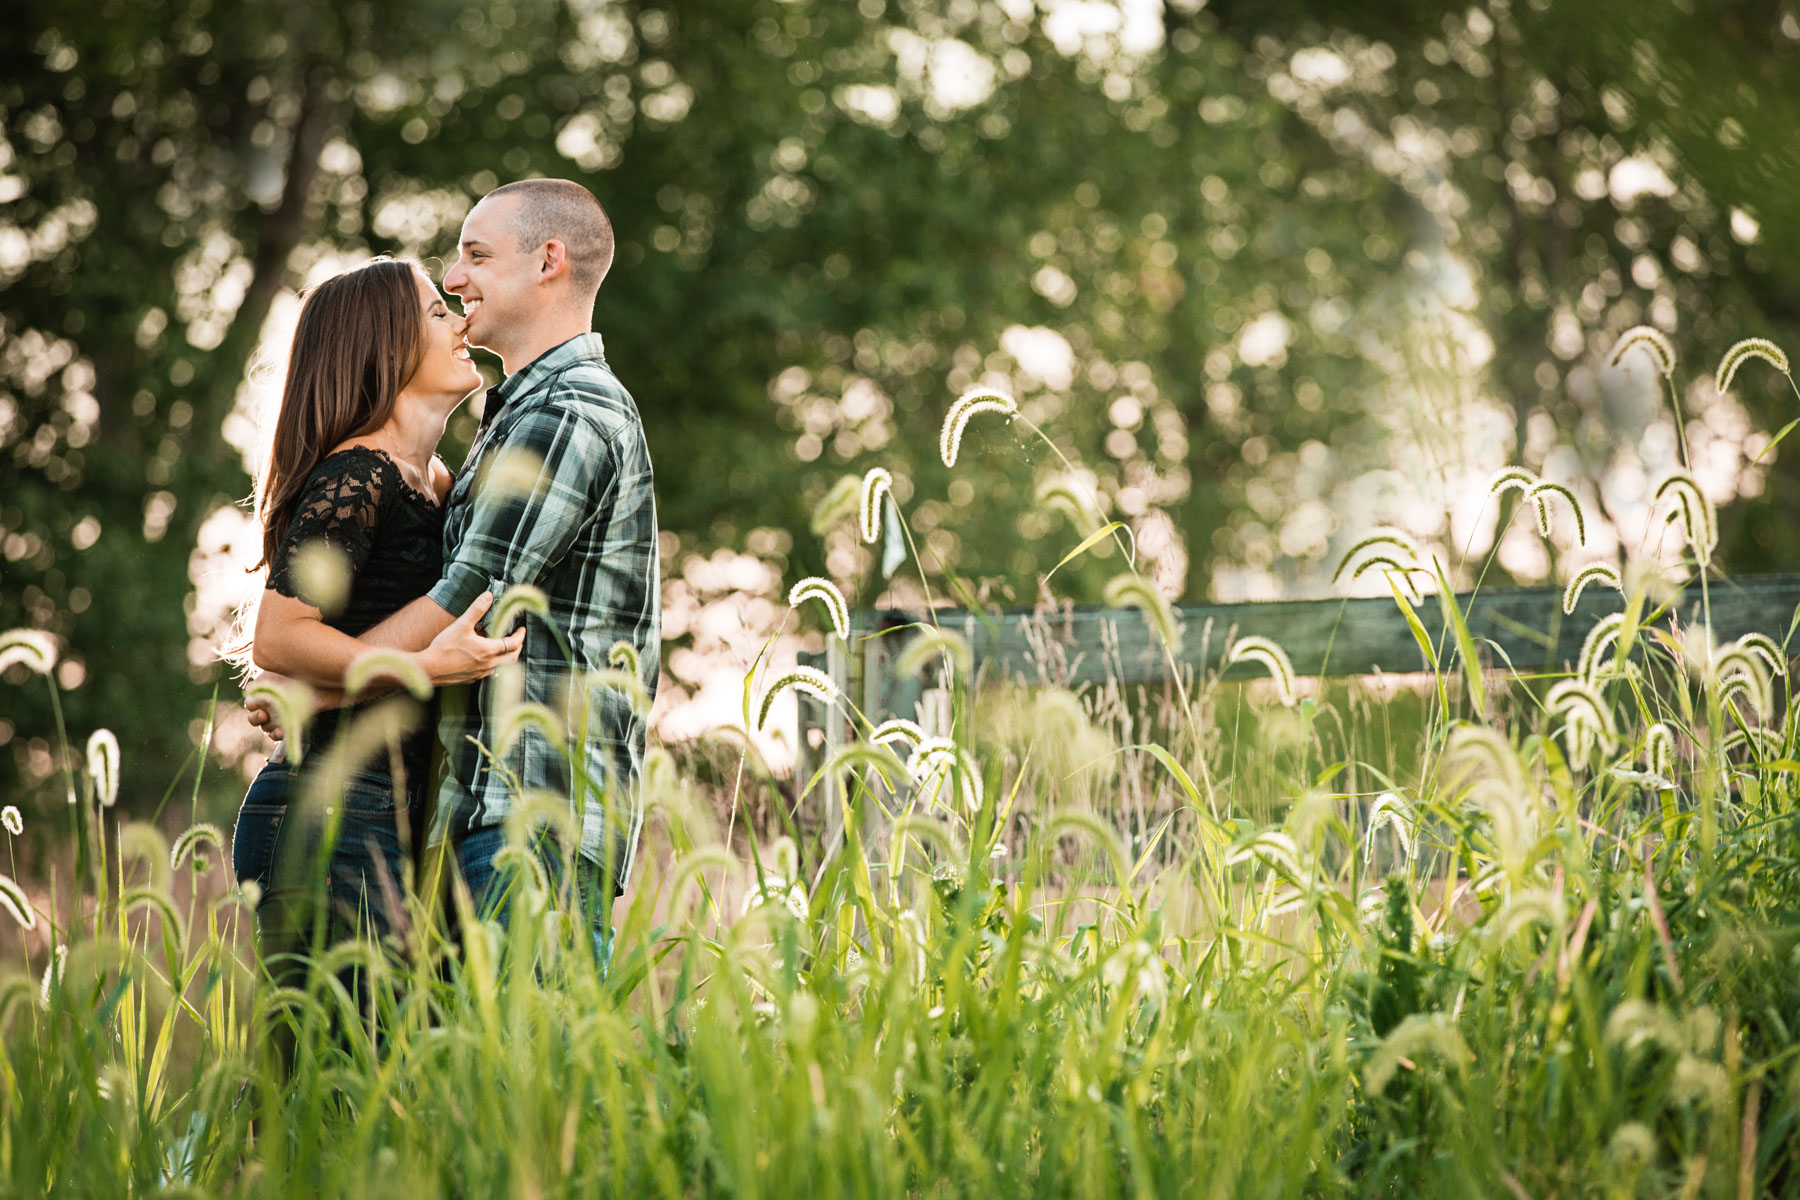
x=525, y=379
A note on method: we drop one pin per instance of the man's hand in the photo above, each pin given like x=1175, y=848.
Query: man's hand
x=459, y=654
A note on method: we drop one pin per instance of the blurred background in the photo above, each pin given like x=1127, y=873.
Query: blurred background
x=1267, y=271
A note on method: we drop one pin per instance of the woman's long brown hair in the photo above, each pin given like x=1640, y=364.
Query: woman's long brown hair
x=359, y=339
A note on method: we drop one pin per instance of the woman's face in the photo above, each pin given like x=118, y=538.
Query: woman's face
x=444, y=368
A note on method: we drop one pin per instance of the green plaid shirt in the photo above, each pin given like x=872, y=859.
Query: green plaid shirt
x=557, y=492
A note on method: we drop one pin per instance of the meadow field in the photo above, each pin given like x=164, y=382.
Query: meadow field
x=1469, y=933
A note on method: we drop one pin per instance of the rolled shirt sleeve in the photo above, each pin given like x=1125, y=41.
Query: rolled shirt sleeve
x=531, y=501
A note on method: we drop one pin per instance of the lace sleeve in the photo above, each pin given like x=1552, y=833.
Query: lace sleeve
x=340, y=506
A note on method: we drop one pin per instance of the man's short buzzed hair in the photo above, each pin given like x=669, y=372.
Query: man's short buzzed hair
x=566, y=211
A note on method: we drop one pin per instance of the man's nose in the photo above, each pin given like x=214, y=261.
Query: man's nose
x=455, y=280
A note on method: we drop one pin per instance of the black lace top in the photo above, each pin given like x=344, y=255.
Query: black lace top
x=390, y=537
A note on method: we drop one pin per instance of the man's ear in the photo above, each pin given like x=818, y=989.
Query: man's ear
x=553, y=260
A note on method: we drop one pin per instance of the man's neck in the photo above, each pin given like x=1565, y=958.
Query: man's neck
x=545, y=333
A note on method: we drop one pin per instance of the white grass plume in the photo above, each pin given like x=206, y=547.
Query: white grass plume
x=898, y=729
x=1264, y=651
x=976, y=400
x=876, y=486
x=1747, y=685
x=810, y=680
x=934, y=762
x=1131, y=590
x=1389, y=810
x=385, y=665
x=17, y=904
x=1540, y=494
x=1063, y=495
x=1742, y=353
x=935, y=647
x=1659, y=750
x=1766, y=648
x=1508, y=478
x=518, y=599
x=1601, y=573
x=32, y=647
x=1699, y=520
x=1604, y=633
x=293, y=704
x=623, y=656
x=9, y=817
x=1649, y=339
x=1585, y=715
x=103, y=765
x=189, y=843
x=1272, y=848
x=1419, y=1035
x=1478, y=752
x=1404, y=552
x=817, y=587
x=837, y=503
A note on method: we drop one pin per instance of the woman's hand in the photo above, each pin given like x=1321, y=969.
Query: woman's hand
x=459, y=654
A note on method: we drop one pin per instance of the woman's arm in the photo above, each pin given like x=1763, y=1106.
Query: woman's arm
x=293, y=639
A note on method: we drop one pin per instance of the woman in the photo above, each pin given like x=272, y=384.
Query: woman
x=353, y=489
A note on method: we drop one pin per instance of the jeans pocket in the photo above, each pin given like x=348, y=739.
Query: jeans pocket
x=253, y=842
x=369, y=795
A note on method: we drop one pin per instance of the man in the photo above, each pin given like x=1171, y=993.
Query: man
x=557, y=494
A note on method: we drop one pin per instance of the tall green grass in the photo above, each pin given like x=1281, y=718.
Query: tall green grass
x=1495, y=936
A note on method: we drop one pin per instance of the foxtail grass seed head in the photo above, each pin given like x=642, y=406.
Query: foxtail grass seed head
x=1604, y=574
x=1397, y=549
x=1475, y=752
x=1390, y=811
x=34, y=648
x=624, y=657
x=1508, y=478
x=14, y=900
x=1586, y=716
x=1058, y=494
x=1659, y=750
x=1524, y=908
x=189, y=843
x=1272, y=848
x=1763, y=745
x=1631, y=1148
x=628, y=683
x=515, y=601
x=976, y=400
x=103, y=765
x=815, y=587
x=1651, y=341
x=1593, y=647
x=522, y=716
x=1735, y=662
x=1134, y=591
x=511, y=472
x=933, y=763
x=876, y=485
x=837, y=503
x=1540, y=494
x=385, y=665
x=1699, y=520
x=322, y=576
x=292, y=703
x=1418, y=1036
x=1767, y=649
x=897, y=729
x=1742, y=353
x=810, y=680
x=943, y=648
x=54, y=971
x=1389, y=565
x=9, y=817
x=1262, y=650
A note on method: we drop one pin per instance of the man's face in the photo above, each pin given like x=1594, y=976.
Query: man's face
x=495, y=280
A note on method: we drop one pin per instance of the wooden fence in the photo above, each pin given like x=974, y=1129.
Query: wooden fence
x=1077, y=645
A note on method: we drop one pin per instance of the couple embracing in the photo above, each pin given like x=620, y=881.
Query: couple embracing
x=556, y=493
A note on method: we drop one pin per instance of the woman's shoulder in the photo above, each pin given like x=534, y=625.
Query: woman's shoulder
x=442, y=477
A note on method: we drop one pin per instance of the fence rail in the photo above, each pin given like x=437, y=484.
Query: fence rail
x=1523, y=627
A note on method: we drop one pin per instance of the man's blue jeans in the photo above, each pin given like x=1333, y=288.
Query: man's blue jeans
x=492, y=888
